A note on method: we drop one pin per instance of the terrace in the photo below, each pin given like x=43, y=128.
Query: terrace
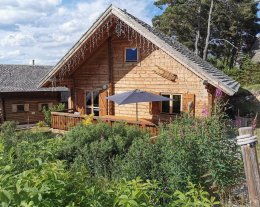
x=66, y=120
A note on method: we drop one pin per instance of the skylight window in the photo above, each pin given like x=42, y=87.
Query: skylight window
x=131, y=55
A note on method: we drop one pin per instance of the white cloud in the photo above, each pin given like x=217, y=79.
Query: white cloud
x=10, y=54
x=44, y=30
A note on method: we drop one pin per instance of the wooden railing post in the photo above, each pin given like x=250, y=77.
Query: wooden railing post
x=248, y=142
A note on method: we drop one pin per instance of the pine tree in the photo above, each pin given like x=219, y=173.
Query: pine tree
x=230, y=25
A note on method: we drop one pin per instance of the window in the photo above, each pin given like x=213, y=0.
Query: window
x=131, y=55
x=20, y=107
x=41, y=106
x=173, y=106
x=92, y=103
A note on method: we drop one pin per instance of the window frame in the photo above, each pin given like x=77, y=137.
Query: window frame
x=26, y=108
x=137, y=55
x=92, y=107
x=171, y=103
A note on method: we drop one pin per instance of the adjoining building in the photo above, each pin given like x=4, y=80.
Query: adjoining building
x=20, y=98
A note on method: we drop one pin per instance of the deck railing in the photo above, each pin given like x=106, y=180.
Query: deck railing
x=64, y=121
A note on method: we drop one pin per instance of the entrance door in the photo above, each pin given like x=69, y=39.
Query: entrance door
x=96, y=103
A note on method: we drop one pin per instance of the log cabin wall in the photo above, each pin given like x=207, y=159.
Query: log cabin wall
x=128, y=76
x=33, y=99
x=1, y=109
x=142, y=76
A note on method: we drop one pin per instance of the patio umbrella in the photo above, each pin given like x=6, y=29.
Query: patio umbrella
x=136, y=96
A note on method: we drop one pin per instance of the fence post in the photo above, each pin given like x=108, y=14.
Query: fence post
x=248, y=142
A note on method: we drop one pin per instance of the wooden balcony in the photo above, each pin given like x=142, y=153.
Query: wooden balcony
x=64, y=121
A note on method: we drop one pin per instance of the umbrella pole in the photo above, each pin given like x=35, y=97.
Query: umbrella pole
x=136, y=105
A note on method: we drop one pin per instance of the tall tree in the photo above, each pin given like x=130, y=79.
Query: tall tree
x=205, y=51
x=221, y=28
x=197, y=38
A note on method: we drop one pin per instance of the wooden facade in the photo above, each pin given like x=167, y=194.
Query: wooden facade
x=97, y=66
x=33, y=105
x=95, y=73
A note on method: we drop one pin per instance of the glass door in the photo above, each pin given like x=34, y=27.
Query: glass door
x=92, y=103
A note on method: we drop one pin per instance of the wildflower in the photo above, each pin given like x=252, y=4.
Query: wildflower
x=205, y=111
x=218, y=93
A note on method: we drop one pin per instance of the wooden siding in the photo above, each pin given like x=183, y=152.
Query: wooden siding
x=94, y=73
x=1, y=110
x=33, y=99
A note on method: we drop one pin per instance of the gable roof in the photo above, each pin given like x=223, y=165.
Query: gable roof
x=169, y=45
x=24, y=78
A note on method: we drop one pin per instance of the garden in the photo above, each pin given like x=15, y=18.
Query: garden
x=193, y=162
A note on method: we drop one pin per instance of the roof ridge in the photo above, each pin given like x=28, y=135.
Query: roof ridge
x=25, y=65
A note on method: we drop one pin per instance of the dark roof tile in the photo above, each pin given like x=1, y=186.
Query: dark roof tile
x=23, y=78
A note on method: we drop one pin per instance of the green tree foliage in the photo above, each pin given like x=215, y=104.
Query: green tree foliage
x=233, y=25
x=247, y=74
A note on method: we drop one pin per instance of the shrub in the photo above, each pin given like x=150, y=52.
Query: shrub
x=47, y=112
x=200, y=149
x=134, y=193
x=40, y=124
x=77, y=169
x=88, y=119
x=99, y=146
x=195, y=196
x=7, y=134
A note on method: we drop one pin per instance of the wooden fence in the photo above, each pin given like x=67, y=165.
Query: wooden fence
x=64, y=121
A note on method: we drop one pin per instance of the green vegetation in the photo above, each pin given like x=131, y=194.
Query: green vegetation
x=47, y=112
x=193, y=161
x=224, y=38
x=254, y=87
x=247, y=75
x=206, y=30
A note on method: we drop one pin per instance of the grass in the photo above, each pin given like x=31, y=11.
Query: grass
x=40, y=129
x=254, y=87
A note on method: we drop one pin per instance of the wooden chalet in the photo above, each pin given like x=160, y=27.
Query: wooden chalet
x=20, y=98
x=120, y=53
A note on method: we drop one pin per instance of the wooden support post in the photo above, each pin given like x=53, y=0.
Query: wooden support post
x=111, y=89
x=70, y=99
x=248, y=145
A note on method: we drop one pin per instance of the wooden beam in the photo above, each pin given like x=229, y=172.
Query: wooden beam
x=111, y=87
x=249, y=153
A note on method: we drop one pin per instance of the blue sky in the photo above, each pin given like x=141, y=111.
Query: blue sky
x=44, y=30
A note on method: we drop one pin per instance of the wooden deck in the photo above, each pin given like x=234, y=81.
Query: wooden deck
x=64, y=121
